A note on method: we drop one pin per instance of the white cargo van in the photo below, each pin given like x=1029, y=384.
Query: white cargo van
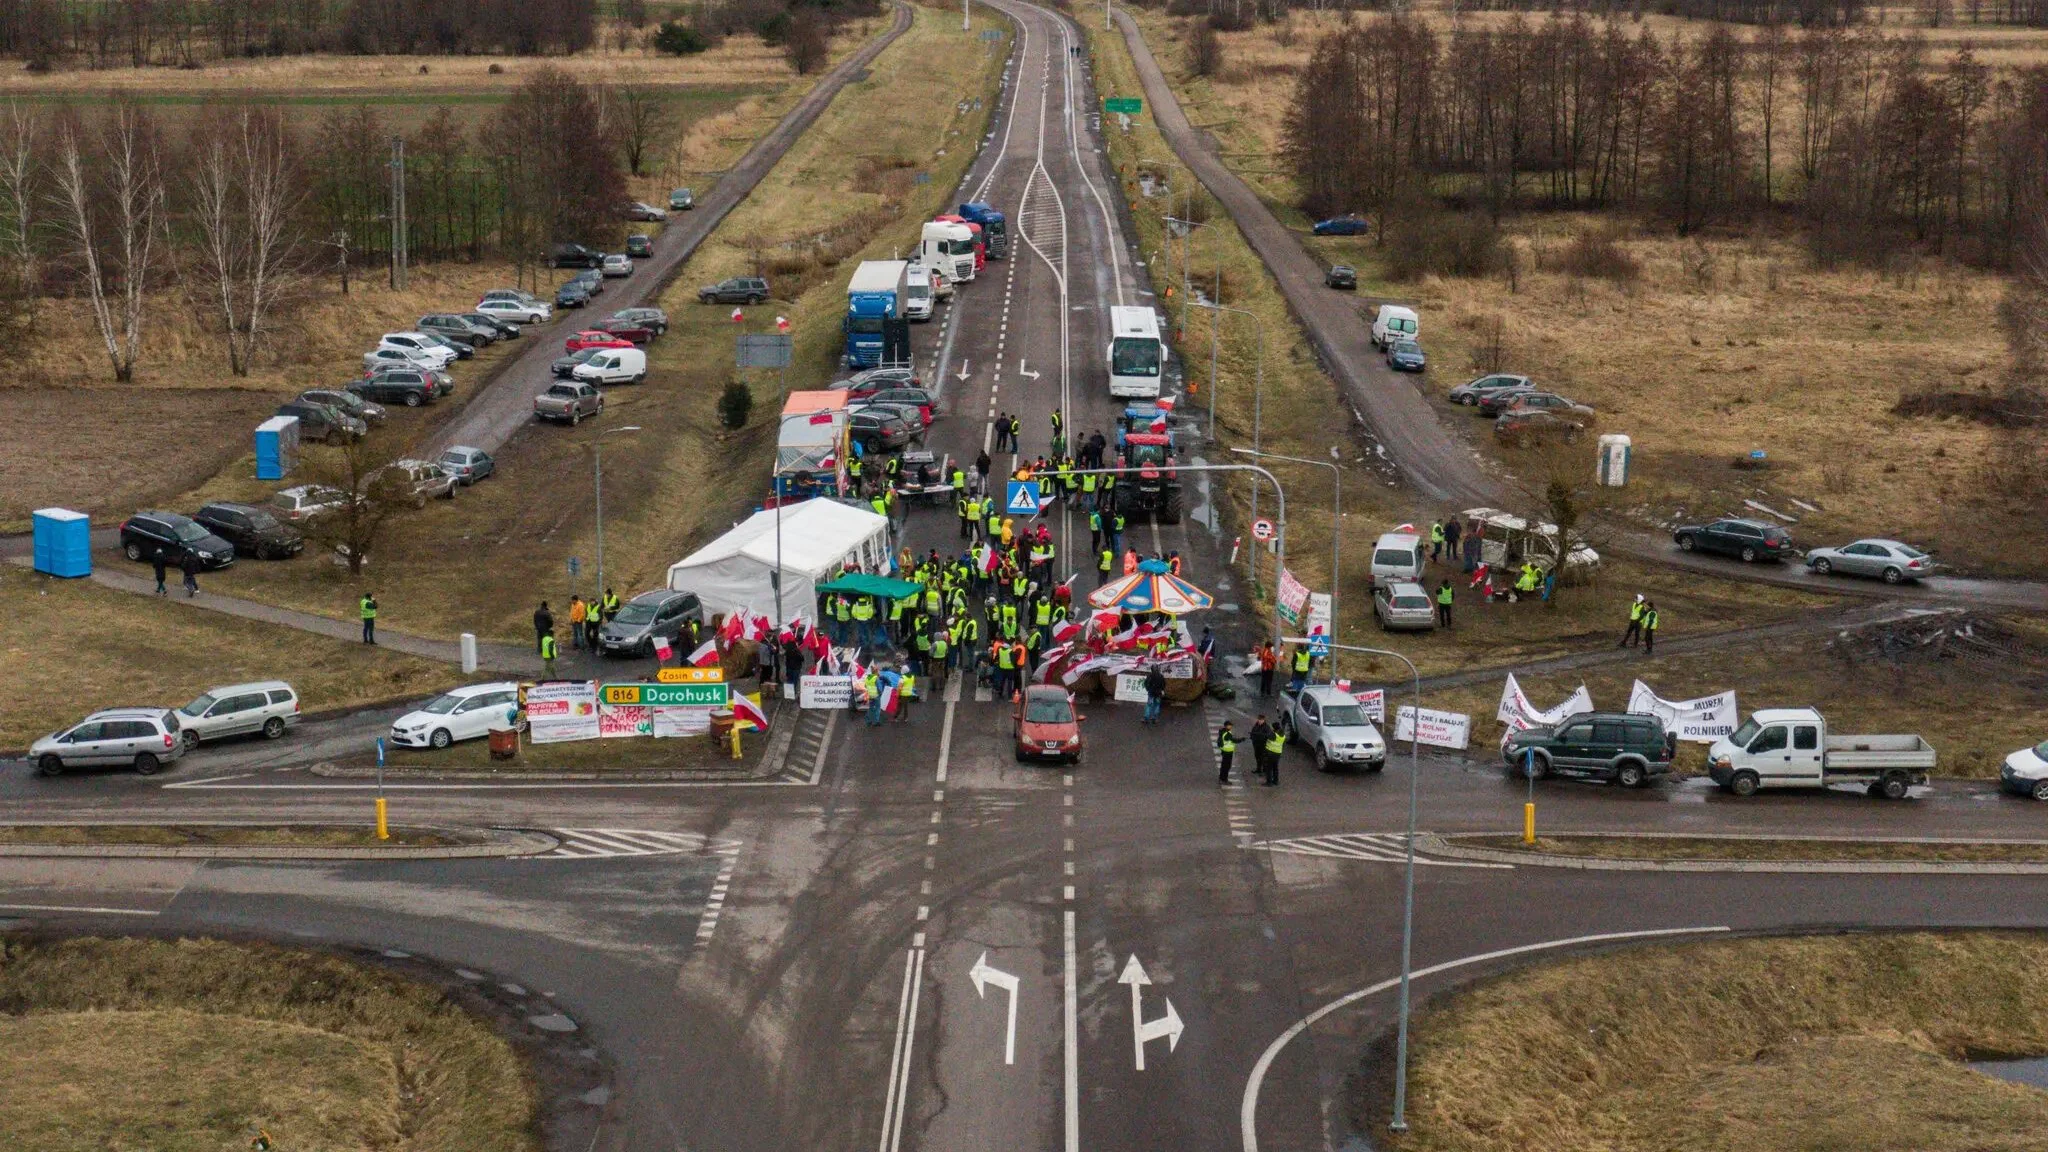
x=1396, y=556
x=1394, y=323
x=614, y=366
x=1792, y=748
x=918, y=295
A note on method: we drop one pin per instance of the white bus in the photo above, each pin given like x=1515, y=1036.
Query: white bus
x=1137, y=356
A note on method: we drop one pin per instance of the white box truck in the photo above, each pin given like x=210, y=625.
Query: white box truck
x=1792, y=748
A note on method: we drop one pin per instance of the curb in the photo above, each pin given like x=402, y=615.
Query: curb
x=624, y=775
x=498, y=842
x=1438, y=845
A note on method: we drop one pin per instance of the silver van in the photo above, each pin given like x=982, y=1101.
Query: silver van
x=1396, y=556
x=146, y=738
x=266, y=706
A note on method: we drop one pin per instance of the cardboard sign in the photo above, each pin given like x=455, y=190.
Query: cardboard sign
x=825, y=692
x=1439, y=729
x=1130, y=688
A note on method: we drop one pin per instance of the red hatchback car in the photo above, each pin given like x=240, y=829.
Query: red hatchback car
x=1046, y=726
x=594, y=339
x=631, y=330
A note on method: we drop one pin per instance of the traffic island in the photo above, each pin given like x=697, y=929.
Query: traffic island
x=688, y=758
x=1656, y=852
x=267, y=841
x=1732, y=1045
x=206, y=1044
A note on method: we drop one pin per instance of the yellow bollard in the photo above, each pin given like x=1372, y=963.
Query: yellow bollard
x=1529, y=823
x=383, y=829
x=735, y=741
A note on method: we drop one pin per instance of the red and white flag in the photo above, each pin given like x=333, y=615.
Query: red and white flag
x=988, y=559
x=1166, y=403
x=1159, y=421
x=758, y=626
x=738, y=315
x=706, y=654
x=889, y=699
x=733, y=628
x=1065, y=631
x=662, y=651
x=744, y=708
x=782, y=325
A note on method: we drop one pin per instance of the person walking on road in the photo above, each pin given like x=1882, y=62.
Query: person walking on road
x=160, y=573
x=1443, y=604
x=189, y=564
x=1650, y=622
x=1155, y=695
x=1436, y=541
x=1226, y=747
x=1268, y=660
x=1016, y=427
x=548, y=651
x=1104, y=567
x=1635, y=623
x=543, y=625
x=1452, y=531
x=1002, y=440
x=368, y=607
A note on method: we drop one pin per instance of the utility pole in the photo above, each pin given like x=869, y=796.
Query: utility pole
x=398, y=212
x=966, y=9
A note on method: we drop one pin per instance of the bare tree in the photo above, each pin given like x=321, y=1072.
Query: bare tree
x=641, y=118
x=809, y=42
x=245, y=196
x=372, y=494
x=20, y=187
x=1562, y=490
x=113, y=219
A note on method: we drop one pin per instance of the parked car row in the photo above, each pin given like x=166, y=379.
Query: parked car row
x=146, y=739
x=1523, y=413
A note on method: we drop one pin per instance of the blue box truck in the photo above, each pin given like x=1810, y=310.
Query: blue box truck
x=995, y=232
x=874, y=312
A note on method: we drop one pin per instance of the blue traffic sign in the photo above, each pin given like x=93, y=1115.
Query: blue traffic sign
x=1319, y=645
x=1023, y=498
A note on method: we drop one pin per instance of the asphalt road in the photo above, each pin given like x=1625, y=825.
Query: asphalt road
x=832, y=963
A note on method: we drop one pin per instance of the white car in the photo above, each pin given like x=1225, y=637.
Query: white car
x=1335, y=727
x=266, y=706
x=618, y=264
x=613, y=366
x=420, y=342
x=466, y=713
x=307, y=501
x=2026, y=772
x=516, y=311
x=521, y=295
x=392, y=356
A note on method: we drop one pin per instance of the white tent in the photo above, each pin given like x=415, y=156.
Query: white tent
x=820, y=538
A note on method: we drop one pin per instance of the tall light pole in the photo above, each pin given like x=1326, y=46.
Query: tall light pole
x=597, y=482
x=812, y=415
x=1400, y=1121
x=1336, y=517
x=1259, y=389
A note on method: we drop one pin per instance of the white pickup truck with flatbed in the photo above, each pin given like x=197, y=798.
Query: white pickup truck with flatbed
x=1792, y=748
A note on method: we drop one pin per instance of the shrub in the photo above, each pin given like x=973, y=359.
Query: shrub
x=679, y=39
x=1446, y=244
x=1205, y=51
x=1597, y=256
x=735, y=405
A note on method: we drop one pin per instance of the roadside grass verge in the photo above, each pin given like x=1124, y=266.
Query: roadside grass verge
x=197, y=1044
x=1978, y=714
x=632, y=754
x=222, y=836
x=1759, y=848
x=70, y=646
x=1735, y=1045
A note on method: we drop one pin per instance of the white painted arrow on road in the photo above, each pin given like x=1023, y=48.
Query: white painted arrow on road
x=963, y=371
x=1142, y=1030
x=983, y=976
x=1023, y=371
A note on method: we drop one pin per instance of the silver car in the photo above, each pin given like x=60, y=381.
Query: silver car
x=1403, y=606
x=568, y=401
x=468, y=465
x=1888, y=560
x=146, y=738
x=418, y=480
x=266, y=706
x=1335, y=727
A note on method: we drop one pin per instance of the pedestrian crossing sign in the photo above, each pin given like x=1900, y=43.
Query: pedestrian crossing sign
x=1319, y=645
x=1023, y=499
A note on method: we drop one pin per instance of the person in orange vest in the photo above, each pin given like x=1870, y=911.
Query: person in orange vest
x=1130, y=561
x=1173, y=563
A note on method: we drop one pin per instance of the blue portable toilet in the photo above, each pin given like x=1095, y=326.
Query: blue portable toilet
x=277, y=447
x=63, y=542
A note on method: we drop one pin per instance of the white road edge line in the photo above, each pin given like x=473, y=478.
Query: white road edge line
x=909, y=1042
x=1071, y=1013
x=83, y=909
x=1248, y=1112
x=896, y=1054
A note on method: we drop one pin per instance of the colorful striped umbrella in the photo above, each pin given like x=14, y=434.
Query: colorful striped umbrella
x=1152, y=588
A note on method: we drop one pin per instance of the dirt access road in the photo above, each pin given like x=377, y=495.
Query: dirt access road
x=1427, y=455
x=505, y=403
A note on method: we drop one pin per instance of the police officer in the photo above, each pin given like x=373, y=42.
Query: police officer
x=1226, y=747
x=1104, y=566
x=1276, y=745
x=1635, y=622
x=1650, y=622
x=368, y=607
x=1443, y=604
x=547, y=655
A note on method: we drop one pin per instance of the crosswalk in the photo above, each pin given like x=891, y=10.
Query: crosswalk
x=1374, y=847
x=602, y=843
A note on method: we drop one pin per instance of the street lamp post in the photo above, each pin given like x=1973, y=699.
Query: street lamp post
x=1336, y=518
x=1259, y=388
x=1399, y=1123
x=597, y=482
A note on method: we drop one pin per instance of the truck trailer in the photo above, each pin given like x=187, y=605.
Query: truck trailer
x=874, y=306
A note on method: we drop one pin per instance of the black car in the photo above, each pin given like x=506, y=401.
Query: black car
x=319, y=422
x=398, y=386
x=738, y=290
x=639, y=246
x=1750, y=540
x=148, y=535
x=592, y=281
x=574, y=294
x=1626, y=747
x=565, y=366
x=575, y=256
x=252, y=530
x=458, y=328
x=879, y=431
x=652, y=319
x=505, y=329
x=1341, y=276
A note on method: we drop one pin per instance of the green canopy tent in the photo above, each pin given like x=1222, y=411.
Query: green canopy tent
x=882, y=587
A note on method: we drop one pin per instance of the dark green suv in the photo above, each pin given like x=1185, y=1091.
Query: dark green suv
x=1628, y=748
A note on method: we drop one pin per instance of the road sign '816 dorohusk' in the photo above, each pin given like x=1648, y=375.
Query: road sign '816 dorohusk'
x=666, y=695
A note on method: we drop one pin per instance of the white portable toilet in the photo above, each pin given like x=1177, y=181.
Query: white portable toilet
x=1612, y=468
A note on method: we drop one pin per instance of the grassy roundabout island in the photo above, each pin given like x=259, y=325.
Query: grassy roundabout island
x=1829, y=1042
x=198, y=1044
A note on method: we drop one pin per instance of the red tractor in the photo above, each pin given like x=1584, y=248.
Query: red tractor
x=1149, y=482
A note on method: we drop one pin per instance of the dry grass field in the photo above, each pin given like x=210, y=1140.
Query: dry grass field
x=195, y=1045
x=1736, y=1045
x=479, y=563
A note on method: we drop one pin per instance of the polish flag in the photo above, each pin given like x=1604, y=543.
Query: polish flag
x=738, y=315
x=1065, y=631
x=782, y=325
x=757, y=627
x=706, y=654
x=733, y=628
x=1158, y=421
x=744, y=708
x=1479, y=575
x=988, y=559
x=662, y=651
x=1166, y=403
x=890, y=700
